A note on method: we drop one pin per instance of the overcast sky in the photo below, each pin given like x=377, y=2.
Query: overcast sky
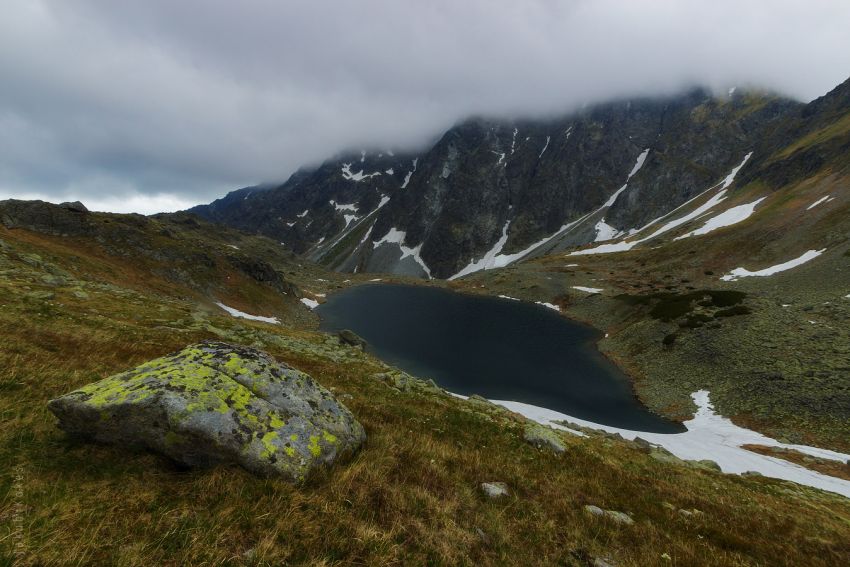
x=158, y=105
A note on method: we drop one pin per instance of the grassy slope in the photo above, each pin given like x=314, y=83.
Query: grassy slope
x=410, y=497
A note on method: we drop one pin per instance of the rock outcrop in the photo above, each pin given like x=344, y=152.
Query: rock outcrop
x=217, y=403
x=67, y=219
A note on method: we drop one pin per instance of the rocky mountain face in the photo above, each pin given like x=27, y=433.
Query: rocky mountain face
x=492, y=192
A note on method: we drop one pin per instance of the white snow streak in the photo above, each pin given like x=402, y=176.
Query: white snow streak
x=726, y=218
x=409, y=174
x=641, y=159
x=744, y=273
x=500, y=260
x=237, y=313
x=711, y=203
x=818, y=202
x=712, y=436
x=731, y=177
x=588, y=289
x=491, y=258
x=549, y=305
x=311, y=303
x=544, y=147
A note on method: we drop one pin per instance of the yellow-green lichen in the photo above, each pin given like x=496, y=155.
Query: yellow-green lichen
x=275, y=420
x=268, y=442
x=313, y=446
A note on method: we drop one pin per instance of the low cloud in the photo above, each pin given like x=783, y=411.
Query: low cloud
x=158, y=105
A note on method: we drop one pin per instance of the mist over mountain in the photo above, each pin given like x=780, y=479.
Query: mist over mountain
x=160, y=106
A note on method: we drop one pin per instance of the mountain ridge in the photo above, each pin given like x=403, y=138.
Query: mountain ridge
x=453, y=201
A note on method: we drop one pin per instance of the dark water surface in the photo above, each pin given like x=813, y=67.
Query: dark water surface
x=497, y=348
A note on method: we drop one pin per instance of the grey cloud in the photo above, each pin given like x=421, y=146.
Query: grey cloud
x=155, y=104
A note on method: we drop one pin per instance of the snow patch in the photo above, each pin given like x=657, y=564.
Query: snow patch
x=243, y=315
x=711, y=436
x=588, y=289
x=605, y=231
x=549, y=305
x=726, y=218
x=304, y=214
x=744, y=273
x=515, y=299
x=341, y=207
x=359, y=176
x=390, y=171
x=311, y=303
x=395, y=236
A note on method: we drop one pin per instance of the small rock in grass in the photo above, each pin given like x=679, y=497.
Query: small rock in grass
x=614, y=515
x=484, y=537
x=494, y=489
x=543, y=438
x=348, y=337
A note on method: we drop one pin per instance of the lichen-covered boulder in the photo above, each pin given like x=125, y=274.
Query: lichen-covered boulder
x=214, y=402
